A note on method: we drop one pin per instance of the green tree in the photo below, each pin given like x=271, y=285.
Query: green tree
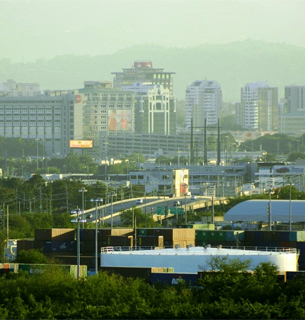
x=142, y=219
x=31, y=256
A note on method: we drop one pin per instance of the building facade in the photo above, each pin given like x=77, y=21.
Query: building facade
x=155, y=109
x=203, y=100
x=292, y=117
x=107, y=109
x=12, y=88
x=143, y=71
x=258, y=109
x=53, y=118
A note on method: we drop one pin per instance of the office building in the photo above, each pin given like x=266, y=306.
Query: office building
x=203, y=100
x=143, y=72
x=292, y=117
x=53, y=118
x=107, y=109
x=258, y=109
x=14, y=89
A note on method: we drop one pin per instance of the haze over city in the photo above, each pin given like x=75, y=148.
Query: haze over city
x=33, y=29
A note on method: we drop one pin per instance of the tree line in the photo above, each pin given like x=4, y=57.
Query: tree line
x=228, y=293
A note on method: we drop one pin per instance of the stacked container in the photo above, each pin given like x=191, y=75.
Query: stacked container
x=219, y=237
x=58, y=241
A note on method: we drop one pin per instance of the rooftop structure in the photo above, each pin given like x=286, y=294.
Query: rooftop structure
x=143, y=71
x=194, y=259
x=257, y=210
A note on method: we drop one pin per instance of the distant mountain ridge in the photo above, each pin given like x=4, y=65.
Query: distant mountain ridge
x=232, y=65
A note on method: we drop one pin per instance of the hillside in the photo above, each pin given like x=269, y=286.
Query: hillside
x=232, y=65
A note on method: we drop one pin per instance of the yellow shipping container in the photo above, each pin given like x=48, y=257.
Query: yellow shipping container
x=121, y=231
x=183, y=234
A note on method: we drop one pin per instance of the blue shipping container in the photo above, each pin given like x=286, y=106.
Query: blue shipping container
x=174, y=278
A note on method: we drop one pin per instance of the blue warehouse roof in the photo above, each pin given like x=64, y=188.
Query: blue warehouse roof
x=257, y=210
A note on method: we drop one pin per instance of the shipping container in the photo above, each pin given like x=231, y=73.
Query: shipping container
x=297, y=236
x=288, y=244
x=119, y=241
x=87, y=260
x=174, y=278
x=65, y=247
x=6, y=268
x=87, y=247
x=250, y=236
x=160, y=241
x=38, y=268
x=38, y=244
x=54, y=234
x=290, y=275
x=129, y=272
x=24, y=245
x=183, y=234
x=122, y=232
x=148, y=241
x=271, y=236
x=142, y=232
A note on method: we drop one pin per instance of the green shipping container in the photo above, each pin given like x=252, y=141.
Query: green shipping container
x=232, y=235
x=201, y=235
x=297, y=236
x=142, y=232
x=38, y=268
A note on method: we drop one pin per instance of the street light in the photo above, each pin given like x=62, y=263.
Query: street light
x=290, y=209
x=78, y=220
x=112, y=194
x=83, y=190
x=269, y=210
x=37, y=139
x=96, y=200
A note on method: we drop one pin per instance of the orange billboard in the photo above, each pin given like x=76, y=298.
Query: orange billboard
x=81, y=144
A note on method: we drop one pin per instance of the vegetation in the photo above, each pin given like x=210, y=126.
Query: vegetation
x=138, y=217
x=230, y=293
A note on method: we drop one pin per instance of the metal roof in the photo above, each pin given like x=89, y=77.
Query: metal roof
x=257, y=210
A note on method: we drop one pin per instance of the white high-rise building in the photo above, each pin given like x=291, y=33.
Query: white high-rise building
x=258, y=109
x=203, y=100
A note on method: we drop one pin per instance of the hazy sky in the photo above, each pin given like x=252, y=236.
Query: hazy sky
x=31, y=29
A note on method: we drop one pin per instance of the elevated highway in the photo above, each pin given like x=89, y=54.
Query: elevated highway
x=149, y=206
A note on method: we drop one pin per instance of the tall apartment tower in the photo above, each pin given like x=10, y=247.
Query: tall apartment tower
x=203, y=100
x=292, y=118
x=258, y=109
x=295, y=99
x=143, y=71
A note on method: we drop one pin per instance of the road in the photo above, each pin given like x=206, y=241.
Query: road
x=149, y=206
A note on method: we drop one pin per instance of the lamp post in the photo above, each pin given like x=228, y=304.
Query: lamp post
x=96, y=200
x=185, y=213
x=83, y=190
x=269, y=210
x=77, y=220
x=112, y=194
x=290, y=209
x=37, y=139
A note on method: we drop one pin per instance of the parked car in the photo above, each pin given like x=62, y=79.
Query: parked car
x=172, y=195
x=193, y=197
x=139, y=201
x=176, y=203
